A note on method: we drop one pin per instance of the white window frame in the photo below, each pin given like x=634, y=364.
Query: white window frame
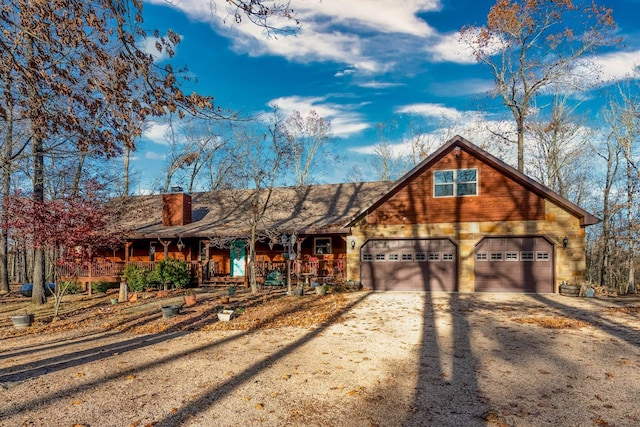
x=497, y=256
x=433, y=256
x=393, y=257
x=543, y=256
x=367, y=257
x=380, y=257
x=511, y=256
x=447, y=256
x=526, y=256
x=482, y=256
x=407, y=257
x=420, y=256
x=454, y=183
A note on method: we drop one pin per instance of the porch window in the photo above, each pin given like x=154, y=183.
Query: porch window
x=321, y=246
x=455, y=183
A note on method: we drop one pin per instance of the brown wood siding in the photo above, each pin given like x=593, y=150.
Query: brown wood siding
x=499, y=198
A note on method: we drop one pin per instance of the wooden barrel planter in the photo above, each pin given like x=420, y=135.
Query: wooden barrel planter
x=569, y=290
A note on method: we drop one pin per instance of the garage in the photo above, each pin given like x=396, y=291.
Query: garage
x=409, y=265
x=514, y=264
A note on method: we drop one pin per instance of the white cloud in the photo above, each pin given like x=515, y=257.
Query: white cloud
x=379, y=85
x=431, y=110
x=155, y=132
x=152, y=155
x=616, y=66
x=465, y=87
x=449, y=48
x=332, y=30
x=345, y=120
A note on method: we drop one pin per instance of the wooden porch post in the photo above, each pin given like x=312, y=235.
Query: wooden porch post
x=165, y=246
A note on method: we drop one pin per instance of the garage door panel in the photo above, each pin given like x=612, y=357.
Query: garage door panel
x=409, y=264
x=520, y=264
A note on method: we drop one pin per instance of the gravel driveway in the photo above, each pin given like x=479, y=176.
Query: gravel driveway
x=390, y=359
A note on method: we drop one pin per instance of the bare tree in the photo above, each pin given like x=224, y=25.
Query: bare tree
x=624, y=120
x=310, y=138
x=389, y=161
x=263, y=158
x=530, y=46
x=194, y=145
x=561, y=151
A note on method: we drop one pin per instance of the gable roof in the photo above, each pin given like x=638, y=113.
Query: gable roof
x=459, y=142
x=309, y=209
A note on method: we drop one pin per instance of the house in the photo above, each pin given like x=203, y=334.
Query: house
x=461, y=220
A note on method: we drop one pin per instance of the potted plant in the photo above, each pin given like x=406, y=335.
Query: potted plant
x=225, y=315
x=189, y=298
x=231, y=290
x=322, y=289
x=22, y=321
x=169, y=311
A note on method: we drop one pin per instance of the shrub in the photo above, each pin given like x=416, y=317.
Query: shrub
x=72, y=287
x=171, y=272
x=137, y=278
x=100, y=287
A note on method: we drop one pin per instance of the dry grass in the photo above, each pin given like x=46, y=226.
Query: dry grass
x=265, y=310
x=552, y=322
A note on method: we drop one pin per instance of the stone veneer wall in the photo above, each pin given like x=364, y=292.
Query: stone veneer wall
x=570, y=263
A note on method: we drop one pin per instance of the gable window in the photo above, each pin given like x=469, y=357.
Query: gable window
x=455, y=183
x=322, y=246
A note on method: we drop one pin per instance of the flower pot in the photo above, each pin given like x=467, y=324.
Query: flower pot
x=22, y=321
x=190, y=300
x=231, y=290
x=298, y=291
x=163, y=294
x=114, y=301
x=224, y=300
x=321, y=289
x=133, y=297
x=169, y=311
x=225, y=315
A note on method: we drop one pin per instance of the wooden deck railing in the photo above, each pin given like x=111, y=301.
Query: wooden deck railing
x=114, y=270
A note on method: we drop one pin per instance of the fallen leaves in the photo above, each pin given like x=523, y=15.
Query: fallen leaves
x=552, y=322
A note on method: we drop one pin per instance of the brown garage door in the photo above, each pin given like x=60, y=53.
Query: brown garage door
x=409, y=264
x=514, y=264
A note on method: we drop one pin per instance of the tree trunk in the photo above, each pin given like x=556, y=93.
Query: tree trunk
x=125, y=173
x=38, y=295
x=252, y=260
x=6, y=189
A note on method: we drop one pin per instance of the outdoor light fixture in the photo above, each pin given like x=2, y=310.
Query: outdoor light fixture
x=353, y=243
x=565, y=242
x=180, y=245
x=271, y=244
x=456, y=151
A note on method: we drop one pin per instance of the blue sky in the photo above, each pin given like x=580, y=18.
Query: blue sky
x=357, y=63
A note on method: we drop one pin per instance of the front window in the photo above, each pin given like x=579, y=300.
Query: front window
x=456, y=182
x=152, y=251
x=322, y=246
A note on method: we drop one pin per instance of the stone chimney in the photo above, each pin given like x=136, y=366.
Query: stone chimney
x=176, y=208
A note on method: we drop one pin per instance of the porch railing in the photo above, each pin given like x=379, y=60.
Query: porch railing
x=109, y=269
